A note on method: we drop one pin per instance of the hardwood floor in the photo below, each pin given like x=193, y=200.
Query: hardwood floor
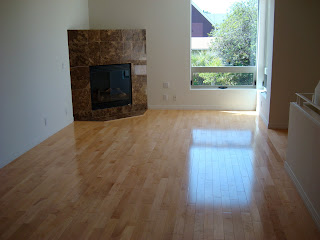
x=164, y=175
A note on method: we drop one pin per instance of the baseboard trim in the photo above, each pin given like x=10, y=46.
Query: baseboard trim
x=304, y=196
x=25, y=149
x=277, y=126
x=36, y=141
x=264, y=119
x=202, y=107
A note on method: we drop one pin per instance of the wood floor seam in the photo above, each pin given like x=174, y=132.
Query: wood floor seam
x=169, y=174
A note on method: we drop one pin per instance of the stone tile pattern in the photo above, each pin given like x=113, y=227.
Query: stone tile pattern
x=103, y=47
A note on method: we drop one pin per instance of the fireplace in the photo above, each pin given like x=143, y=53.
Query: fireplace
x=110, y=86
x=108, y=70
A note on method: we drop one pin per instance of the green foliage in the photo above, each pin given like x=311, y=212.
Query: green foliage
x=222, y=79
x=236, y=37
x=204, y=58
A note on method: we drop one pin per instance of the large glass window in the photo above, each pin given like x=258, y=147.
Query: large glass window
x=225, y=53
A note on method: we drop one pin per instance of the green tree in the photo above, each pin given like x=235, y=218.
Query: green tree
x=236, y=37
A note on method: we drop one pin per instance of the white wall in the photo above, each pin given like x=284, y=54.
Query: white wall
x=296, y=61
x=34, y=85
x=263, y=103
x=168, y=52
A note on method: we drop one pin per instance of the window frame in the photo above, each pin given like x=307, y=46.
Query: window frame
x=235, y=69
x=225, y=69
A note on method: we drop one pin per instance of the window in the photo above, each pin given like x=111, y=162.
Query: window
x=224, y=54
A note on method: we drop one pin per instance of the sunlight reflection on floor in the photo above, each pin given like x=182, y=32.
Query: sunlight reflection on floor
x=248, y=113
x=220, y=166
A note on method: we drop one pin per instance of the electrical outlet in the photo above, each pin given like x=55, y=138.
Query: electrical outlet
x=45, y=121
x=174, y=98
x=165, y=85
x=165, y=97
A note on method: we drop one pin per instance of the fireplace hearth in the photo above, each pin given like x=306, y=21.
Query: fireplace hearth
x=108, y=73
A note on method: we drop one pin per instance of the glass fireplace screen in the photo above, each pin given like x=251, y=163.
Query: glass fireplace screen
x=110, y=86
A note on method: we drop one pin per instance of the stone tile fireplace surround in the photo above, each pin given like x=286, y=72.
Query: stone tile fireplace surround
x=104, y=47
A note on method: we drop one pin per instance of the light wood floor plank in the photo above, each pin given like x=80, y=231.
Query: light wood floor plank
x=165, y=175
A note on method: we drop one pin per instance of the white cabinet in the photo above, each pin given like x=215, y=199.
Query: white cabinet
x=303, y=155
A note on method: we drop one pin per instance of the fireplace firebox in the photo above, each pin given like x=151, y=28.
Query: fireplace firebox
x=110, y=86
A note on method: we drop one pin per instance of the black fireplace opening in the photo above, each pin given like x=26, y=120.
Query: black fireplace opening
x=110, y=86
